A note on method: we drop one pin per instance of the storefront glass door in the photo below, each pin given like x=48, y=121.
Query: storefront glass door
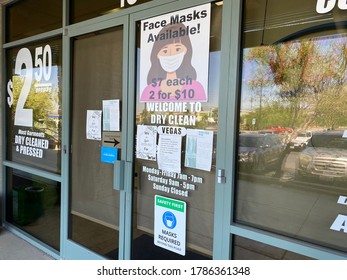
x=176, y=134
x=96, y=105
x=143, y=137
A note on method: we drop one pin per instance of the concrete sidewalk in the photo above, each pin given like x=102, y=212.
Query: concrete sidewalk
x=13, y=247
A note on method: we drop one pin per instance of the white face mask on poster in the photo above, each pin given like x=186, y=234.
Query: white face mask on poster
x=171, y=63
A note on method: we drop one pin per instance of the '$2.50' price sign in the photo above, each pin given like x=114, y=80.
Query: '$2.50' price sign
x=43, y=70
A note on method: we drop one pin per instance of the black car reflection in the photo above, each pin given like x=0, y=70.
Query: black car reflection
x=259, y=152
x=325, y=157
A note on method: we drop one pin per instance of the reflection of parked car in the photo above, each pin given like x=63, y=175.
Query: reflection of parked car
x=300, y=140
x=266, y=132
x=279, y=129
x=325, y=157
x=258, y=152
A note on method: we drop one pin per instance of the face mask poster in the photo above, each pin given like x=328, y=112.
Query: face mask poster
x=174, y=57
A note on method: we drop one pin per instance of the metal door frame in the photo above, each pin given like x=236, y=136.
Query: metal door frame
x=69, y=248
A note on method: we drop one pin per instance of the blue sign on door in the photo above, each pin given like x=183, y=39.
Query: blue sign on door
x=109, y=155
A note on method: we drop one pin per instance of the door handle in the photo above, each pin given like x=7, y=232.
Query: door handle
x=221, y=176
x=118, y=175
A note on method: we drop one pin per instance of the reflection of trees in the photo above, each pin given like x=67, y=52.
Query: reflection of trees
x=215, y=114
x=41, y=103
x=257, y=85
x=145, y=116
x=273, y=112
x=305, y=80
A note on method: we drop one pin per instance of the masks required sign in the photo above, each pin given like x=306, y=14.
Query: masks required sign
x=170, y=224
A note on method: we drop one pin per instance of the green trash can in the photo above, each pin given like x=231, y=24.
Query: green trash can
x=27, y=204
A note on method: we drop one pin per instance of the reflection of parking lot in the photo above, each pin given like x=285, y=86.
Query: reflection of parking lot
x=287, y=168
x=287, y=173
x=298, y=210
x=259, y=153
x=290, y=204
x=322, y=158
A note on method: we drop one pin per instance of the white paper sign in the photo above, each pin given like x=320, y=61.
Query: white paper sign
x=170, y=224
x=169, y=153
x=199, y=149
x=94, y=124
x=146, y=143
x=110, y=109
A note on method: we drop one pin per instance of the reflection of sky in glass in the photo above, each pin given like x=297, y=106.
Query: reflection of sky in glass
x=213, y=80
x=54, y=79
x=54, y=53
x=250, y=96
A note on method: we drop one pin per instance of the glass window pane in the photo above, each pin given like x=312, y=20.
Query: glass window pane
x=247, y=249
x=33, y=205
x=81, y=10
x=33, y=109
x=97, y=78
x=26, y=18
x=292, y=144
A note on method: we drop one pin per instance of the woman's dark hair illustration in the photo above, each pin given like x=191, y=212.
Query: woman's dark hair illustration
x=186, y=69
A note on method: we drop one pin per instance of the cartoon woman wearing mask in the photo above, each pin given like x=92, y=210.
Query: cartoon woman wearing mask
x=172, y=76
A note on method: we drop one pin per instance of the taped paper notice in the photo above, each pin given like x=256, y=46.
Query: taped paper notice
x=146, y=144
x=199, y=149
x=94, y=124
x=169, y=153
